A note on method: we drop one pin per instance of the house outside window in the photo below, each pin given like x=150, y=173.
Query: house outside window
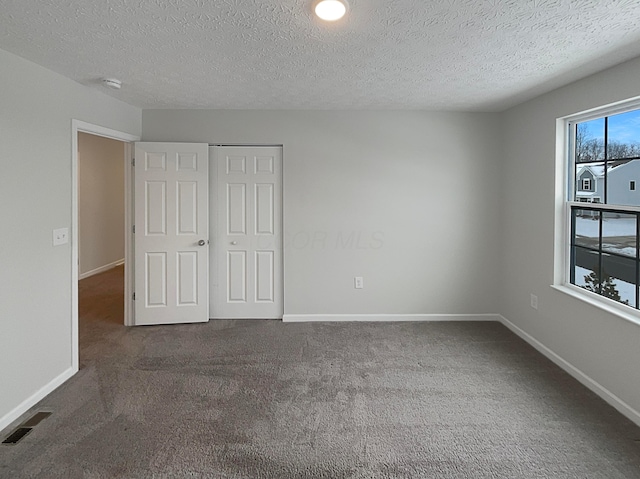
x=604, y=230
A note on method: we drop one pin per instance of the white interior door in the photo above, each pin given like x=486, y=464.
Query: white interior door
x=247, y=252
x=171, y=233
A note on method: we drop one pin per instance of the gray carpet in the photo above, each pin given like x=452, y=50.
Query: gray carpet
x=263, y=399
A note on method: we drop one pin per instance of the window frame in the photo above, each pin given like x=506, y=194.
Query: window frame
x=565, y=187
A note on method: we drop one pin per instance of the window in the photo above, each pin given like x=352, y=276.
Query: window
x=604, y=247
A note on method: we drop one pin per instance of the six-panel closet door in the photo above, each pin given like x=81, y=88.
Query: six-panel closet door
x=247, y=249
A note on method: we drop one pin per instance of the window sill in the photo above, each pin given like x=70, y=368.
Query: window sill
x=600, y=302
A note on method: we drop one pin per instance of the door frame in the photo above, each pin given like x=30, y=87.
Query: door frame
x=78, y=126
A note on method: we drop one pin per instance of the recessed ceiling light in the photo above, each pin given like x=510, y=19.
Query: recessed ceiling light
x=112, y=83
x=331, y=10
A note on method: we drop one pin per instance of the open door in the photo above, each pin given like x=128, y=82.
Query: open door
x=171, y=233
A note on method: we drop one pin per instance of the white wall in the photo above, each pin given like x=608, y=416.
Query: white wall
x=37, y=107
x=601, y=345
x=420, y=191
x=101, y=205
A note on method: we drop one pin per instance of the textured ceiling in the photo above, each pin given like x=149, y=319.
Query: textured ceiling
x=474, y=55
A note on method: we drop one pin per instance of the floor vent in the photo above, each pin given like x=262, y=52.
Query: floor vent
x=17, y=435
x=36, y=419
x=25, y=428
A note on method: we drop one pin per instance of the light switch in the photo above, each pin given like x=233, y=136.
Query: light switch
x=60, y=236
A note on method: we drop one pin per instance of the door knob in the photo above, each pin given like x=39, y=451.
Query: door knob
x=202, y=243
x=234, y=243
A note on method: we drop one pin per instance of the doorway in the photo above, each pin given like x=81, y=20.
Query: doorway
x=126, y=141
x=101, y=204
x=101, y=229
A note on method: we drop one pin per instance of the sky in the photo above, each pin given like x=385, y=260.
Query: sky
x=623, y=128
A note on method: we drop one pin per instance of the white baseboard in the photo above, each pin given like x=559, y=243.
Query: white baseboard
x=101, y=269
x=302, y=318
x=40, y=394
x=593, y=385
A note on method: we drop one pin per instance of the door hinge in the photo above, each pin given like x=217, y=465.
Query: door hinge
x=134, y=296
x=133, y=162
x=134, y=229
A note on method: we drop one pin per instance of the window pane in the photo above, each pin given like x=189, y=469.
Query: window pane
x=619, y=233
x=623, y=136
x=589, y=185
x=604, y=255
x=621, y=182
x=618, y=281
x=587, y=228
x=590, y=141
x=585, y=268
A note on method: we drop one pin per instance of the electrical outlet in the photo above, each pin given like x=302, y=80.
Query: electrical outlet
x=60, y=236
x=358, y=282
x=534, y=301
